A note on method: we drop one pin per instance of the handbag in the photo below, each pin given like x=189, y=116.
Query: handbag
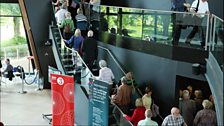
x=192, y=20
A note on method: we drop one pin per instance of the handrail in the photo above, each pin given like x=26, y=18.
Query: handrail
x=213, y=32
x=217, y=17
x=119, y=110
x=73, y=50
x=153, y=10
x=112, y=58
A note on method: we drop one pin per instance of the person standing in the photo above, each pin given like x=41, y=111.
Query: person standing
x=105, y=74
x=60, y=14
x=123, y=96
x=174, y=119
x=207, y=116
x=147, y=121
x=68, y=26
x=200, y=8
x=76, y=41
x=177, y=19
x=138, y=113
x=146, y=98
x=89, y=50
x=187, y=108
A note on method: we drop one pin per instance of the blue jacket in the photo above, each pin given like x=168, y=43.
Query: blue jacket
x=76, y=42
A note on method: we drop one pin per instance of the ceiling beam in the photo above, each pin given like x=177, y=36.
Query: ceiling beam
x=8, y=1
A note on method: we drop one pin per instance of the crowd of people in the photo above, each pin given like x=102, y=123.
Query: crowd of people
x=190, y=112
x=196, y=112
x=71, y=15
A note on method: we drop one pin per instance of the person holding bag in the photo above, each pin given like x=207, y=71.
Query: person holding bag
x=200, y=8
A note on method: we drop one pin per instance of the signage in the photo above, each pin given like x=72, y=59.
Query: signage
x=63, y=100
x=99, y=103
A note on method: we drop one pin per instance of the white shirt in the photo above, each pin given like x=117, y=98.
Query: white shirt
x=202, y=7
x=106, y=74
x=147, y=122
x=60, y=15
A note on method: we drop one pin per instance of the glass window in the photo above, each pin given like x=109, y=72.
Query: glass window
x=157, y=26
x=13, y=43
x=10, y=9
x=132, y=25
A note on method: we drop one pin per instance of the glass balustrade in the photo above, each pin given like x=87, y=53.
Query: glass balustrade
x=165, y=27
x=217, y=40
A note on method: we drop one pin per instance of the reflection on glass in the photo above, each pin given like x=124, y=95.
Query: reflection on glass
x=112, y=24
x=158, y=26
x=218, y=39
x=131, y=10
x=132, y=25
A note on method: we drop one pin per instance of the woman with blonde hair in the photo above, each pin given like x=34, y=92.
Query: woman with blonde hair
x=207, y=116
x=139, y=112
x=76, y=41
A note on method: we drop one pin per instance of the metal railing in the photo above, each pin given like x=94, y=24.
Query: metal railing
x=114, y=59
x=156, y=31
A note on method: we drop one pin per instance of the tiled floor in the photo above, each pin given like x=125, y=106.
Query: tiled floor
x=24, y=109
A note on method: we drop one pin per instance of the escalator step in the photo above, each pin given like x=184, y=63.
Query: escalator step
x=68, y=66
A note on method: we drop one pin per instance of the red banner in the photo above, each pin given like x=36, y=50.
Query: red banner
x=63, y=100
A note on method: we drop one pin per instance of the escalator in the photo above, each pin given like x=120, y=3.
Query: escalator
x=162, y=62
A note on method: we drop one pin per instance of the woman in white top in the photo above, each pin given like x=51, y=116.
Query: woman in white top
x=105, y=73
x=146, y=98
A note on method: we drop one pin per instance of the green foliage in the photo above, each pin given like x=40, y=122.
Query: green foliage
x=17, y=40
x=10, y=9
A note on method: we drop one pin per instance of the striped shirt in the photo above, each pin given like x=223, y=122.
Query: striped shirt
x=171, y=121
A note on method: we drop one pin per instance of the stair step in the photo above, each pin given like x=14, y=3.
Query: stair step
x=57, y=38
x=70, y=72
x=67, y=66
x=57, y=33
x=66, y=59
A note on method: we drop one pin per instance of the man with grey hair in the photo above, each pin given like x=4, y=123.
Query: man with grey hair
x=89, y=50
x=187, y=108
x=207, y=116
x=174, y=119
x=147, y=121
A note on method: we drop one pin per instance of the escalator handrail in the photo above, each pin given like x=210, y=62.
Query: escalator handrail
x=71, y=49
x=76, y=52
x=114, y=59
x=119, y=66
x=119, y=110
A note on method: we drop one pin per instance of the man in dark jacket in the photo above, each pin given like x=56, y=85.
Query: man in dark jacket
x=8, y=71
x=177, y=18
x=90, y=51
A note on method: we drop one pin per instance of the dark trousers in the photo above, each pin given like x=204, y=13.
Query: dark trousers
x=197, y=28
x=177, y=26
